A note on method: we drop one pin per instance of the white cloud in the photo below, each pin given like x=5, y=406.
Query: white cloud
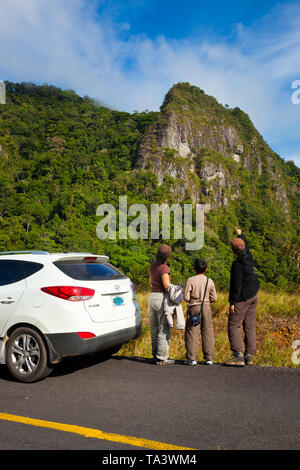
x=67, y=44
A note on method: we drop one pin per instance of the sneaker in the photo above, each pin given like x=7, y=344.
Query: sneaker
x=188, y=362
x=236, y=360
x=209, y=363
x=248, y=359
x=166, y=362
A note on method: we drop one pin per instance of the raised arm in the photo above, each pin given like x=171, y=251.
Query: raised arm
x=239, y=234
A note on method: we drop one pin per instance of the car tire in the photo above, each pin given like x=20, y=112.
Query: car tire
x=26, y=355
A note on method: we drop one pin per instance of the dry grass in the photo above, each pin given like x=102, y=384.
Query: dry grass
x=278, y=325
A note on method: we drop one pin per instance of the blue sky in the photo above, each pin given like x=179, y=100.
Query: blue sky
x=246, y=53
x=178, y=19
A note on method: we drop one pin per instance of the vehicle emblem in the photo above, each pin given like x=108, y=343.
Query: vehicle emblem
x=117, y=287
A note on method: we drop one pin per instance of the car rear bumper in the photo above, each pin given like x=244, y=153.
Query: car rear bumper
x=62, y=345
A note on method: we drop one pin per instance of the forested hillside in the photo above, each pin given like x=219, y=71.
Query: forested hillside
x=61, y=156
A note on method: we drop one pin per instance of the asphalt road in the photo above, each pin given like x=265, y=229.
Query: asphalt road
x=198, y=407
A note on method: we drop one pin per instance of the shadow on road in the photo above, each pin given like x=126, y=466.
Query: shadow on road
x=5, y=375
x=67, y=366
x=151, y=361
x=72, y=364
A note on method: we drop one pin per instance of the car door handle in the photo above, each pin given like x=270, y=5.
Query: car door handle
x=9, y=300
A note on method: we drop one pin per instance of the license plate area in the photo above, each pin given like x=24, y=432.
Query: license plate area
x=117, y=300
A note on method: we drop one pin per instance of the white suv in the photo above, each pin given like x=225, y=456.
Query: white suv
x=54, y=305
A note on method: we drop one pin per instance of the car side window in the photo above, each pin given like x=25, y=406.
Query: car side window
x=30, y=268
x=12, y=271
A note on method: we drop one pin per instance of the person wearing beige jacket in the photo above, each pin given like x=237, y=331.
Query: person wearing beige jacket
x=198, y=289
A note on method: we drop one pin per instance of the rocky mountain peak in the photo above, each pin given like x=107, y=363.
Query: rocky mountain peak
x=208, y=149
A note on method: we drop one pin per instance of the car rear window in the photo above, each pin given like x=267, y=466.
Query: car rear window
x=12, y=271
x=91, y=271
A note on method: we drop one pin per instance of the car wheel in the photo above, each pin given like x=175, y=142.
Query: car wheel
x=26, y=355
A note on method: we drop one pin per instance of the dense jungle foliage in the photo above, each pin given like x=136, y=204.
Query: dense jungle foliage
x=61, y=156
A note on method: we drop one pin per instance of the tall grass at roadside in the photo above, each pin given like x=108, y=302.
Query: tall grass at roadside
x=277, y=325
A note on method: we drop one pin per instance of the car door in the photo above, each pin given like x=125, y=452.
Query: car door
x=12, y=287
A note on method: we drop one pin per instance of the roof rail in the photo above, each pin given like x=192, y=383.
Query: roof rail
x=24, y=251
x=77, y=253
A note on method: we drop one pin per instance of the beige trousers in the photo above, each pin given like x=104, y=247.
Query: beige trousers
x=192, y=334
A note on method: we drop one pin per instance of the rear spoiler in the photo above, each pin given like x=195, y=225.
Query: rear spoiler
x=89, y=257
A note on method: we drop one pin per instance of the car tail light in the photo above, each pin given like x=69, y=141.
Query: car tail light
x=72, y=293
x=85, y=334
x=133, y=288
x=90, y=259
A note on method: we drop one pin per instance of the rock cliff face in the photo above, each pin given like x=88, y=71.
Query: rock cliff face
x=208, y=150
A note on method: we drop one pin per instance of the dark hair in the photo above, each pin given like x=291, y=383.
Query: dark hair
x=241, y=253
x=200, y=266
x=163, y=253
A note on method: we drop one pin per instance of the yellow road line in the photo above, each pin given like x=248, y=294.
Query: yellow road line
x=94, y=433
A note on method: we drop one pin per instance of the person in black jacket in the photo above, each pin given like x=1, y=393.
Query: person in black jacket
x=243, y=300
